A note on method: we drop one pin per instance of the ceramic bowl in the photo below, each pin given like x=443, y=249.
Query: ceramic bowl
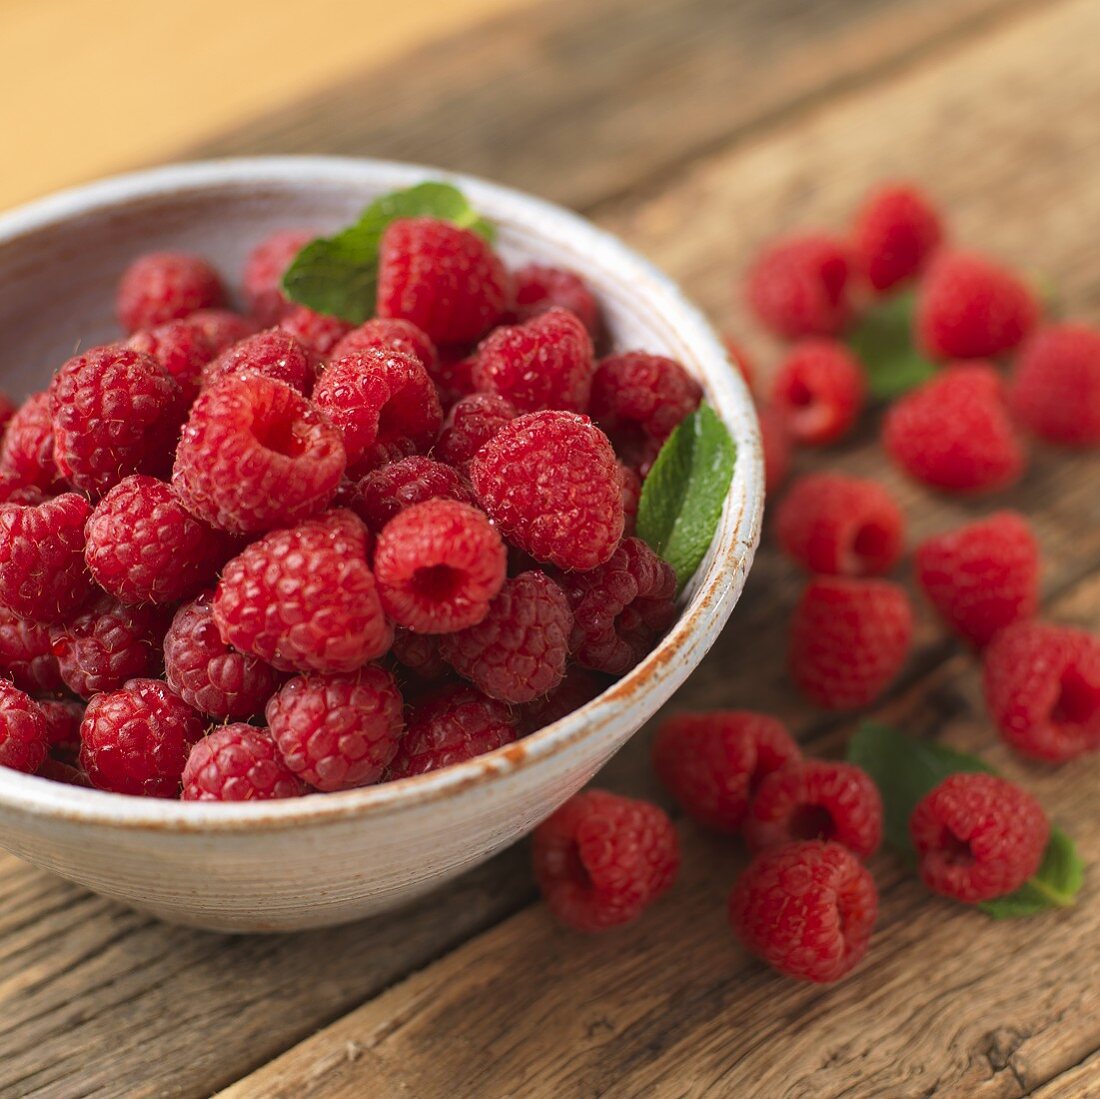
x=329, y=858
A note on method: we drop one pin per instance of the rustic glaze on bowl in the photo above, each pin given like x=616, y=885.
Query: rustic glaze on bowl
x=329, y=858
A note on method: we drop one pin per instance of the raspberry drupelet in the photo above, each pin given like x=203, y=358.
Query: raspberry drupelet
x=262, y=278
x=317, y=332
x=181, y=348
x=896, y=231
x=819, y=390
x=27, y=448
x=538, y=288
x=389, y=490
x=23, y=736
x=471, y=422
x=388, y=335
x=26, y=657
x=454, y=374
x=238, y=763
x=798, y=286
x=274, y=354
x=165, y=286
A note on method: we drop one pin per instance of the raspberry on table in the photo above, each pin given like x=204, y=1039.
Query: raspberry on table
x=970, y=307
x=518, y=651
x=977, y=837
x=27, y=447
x=23, y=738
x=238, y=762
x=389, y=490
x=181, y=348
x=954, y=432
x=539, y=288
x=897, y=228
x=841, y=526
x=775, y=438
x=798, y=286
x=849, y=639
x=438, y=565
x=551, y=482
x=26, y=657
x=262, y=278
x=63, y=720
x=255, y=454
x=444, y=279
x=209, y=674
x=304, y=598
x=579, y=687
x=470, y=424
x=807, y=909
x=632, y=498
x=546, y=362
x=713, y=763
x=319, y=333
x=1042, y=689
x=820, y=391
x=621, y=608
x=222, y=327
x=741, y=361
x=983, y=576
x=165, y=286
x=274, y=354
x=602, y=859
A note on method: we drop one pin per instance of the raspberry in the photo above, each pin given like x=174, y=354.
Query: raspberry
x=438, y=565
x=238, y=763
x=379, y=400
x=445, y=280
x=262, y=278
x=317, y=332
x=579, y=687
x=63, y=720
x=418, y=653
x=819, y=390
x=337, y=732
x=388, y=491
x=712, y=763
x=26, y=657
x=842, y=526
x=896, y=231
x=452, y=725
x=136, y=740
x=304, y=599
x=470, y=424
x=983, y=576
x=550, y=481
x=978, y=837
x=539, y=288
x=1042, y=689
x=453, y=375
x=741, y=361
x=7, y=410
x=621, y=608
x=255, y=454
x=42, y=572
x=1055, y=389
x=209, y=674
x=181, y=348
x=517, y=652
x=632, y=497
x=23, y=739
x=799, y=286
x=27, y=448
x=775, y=438
x=849, y=639
x=13, y=491
x=389, y=335
x=57, y=771
x=222, y=327
x=807, y=909
x=601, y=859
x=115, y=411
x=165, y=286
x=144, y=547
x=274, y=354
x=107, y=644
x=638, y=399
x=544, y=363
x=954, y=432
x=972, y=308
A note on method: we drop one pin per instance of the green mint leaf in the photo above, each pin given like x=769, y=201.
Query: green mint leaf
x=883, y=342
x=683, y=496
x=338, y=275
x=1055, y=885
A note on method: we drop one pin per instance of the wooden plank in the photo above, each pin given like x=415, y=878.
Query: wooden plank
x=1080, y=1082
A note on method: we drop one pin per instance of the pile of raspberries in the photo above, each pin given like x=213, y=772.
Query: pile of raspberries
x=806, y=903
x=259, y=554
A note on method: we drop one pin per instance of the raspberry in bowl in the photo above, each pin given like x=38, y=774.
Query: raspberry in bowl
x=438, y=555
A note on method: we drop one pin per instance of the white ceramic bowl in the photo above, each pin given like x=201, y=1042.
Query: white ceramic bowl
x=328, y=858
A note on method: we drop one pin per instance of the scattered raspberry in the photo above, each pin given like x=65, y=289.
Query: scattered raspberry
x=1042, y=689
x=539, y=289
x=143, y=546
x=388, y=491
x=551, y=483
x=954, y=432
x=438, y=565
x=136, y=740
x=544, y=363
x=26, y=657
x=27, y=447
x=579, y=687
x=181, y=348
x=1055, y=388
x=983, y=576
x=807, y=909
x=387, y=336
x=23, y=740
x=896, y=231
x=470, y=424
x=601, y=859
x=304, y=599
x=972, y=308
x=849, y=639
x=238, y=763
x=978, y=837
x=632, y=497
x=445, y=280
x=713, y=763
x=255, y=454
x=799, y=286
x=262, y=278
x=274, y=354
x=63, y=720
x=819, y=390
x=319, y=333
x=222, y=327
x=775, y=437
x=165, y=286
x=842, y=526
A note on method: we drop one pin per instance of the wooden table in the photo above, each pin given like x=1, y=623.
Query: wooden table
x=695, y=130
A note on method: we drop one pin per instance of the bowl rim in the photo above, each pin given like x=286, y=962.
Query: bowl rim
x=716, y=586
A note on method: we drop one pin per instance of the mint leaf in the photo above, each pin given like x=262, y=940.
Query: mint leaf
x=883, y=342
x=905, y=769
x=338, y=275
x=683, y=496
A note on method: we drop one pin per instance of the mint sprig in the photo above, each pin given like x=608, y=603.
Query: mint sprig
x=338, y=275
x=883, y=342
